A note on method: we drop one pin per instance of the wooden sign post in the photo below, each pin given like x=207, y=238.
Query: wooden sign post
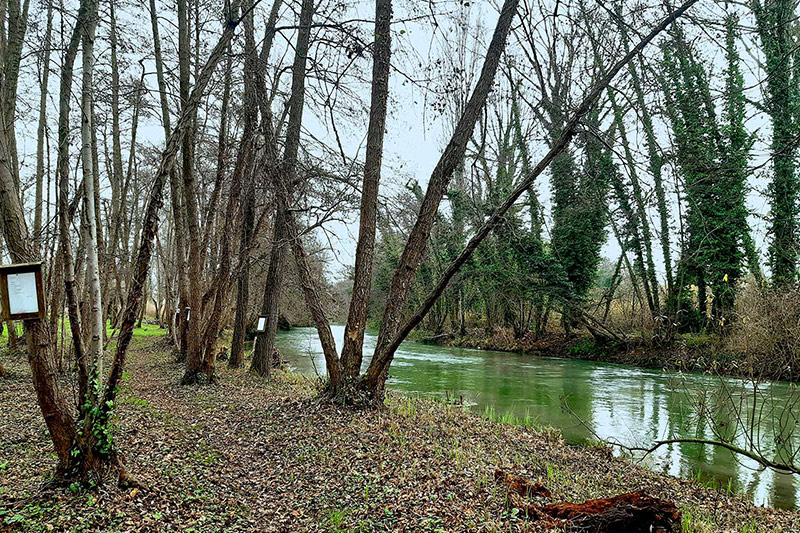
x=22, y=291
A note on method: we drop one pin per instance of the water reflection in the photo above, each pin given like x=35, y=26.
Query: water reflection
x=631, y=405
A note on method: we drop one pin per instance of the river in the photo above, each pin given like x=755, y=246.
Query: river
x=631, y=405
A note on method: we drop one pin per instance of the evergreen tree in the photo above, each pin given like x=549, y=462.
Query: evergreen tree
x=712, y=154
x=734, y=233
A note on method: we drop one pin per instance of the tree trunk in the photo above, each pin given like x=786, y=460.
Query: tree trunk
x=773, y=22
x=141, y=268
x=314, y=304
x=406, y=270
x=248, y=209
x=655, y=163
x=265, y=343
x=284, y=190
x=62, y=165
x=352, y=351
x=116, y=176
x=42, y=128
x=55, y=410
x=244, y=160
x=175, y=190
x=17, y=16
x=243, y=283
x=198, y=368
x=97, y=324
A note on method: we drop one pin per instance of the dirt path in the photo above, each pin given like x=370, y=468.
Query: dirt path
x=248, y=456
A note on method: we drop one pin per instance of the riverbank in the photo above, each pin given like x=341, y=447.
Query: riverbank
x=254, y=456
x=688, y=352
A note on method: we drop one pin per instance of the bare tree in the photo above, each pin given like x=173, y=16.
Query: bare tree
x=284, y=191
x=352, y=351
x=97, y=323
x=377, y=372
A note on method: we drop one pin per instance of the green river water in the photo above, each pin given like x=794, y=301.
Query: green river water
x=631, y=405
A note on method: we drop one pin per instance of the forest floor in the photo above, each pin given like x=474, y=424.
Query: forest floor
x=245, y=455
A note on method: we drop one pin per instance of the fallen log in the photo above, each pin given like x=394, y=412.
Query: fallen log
x=633, y=512
x=439, y=337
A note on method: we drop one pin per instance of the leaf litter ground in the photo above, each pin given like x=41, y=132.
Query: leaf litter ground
x=246, y=455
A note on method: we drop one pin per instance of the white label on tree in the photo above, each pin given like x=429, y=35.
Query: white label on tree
x=262, y=323
x=22, y=297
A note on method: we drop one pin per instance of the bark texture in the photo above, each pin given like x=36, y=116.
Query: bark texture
x=352, y=351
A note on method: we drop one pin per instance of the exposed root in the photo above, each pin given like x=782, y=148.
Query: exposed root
x=276, y=360
x=350, y=393
x=127, y=481
x=633, y=512
x=96, y=471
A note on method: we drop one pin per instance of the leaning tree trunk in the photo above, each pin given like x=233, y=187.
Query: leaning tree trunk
x=376, y=375
x=451, y=158
x=314, y=304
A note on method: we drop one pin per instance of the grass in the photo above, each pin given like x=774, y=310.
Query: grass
x=509, y=417
x=147, y=330
x=17, y=325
